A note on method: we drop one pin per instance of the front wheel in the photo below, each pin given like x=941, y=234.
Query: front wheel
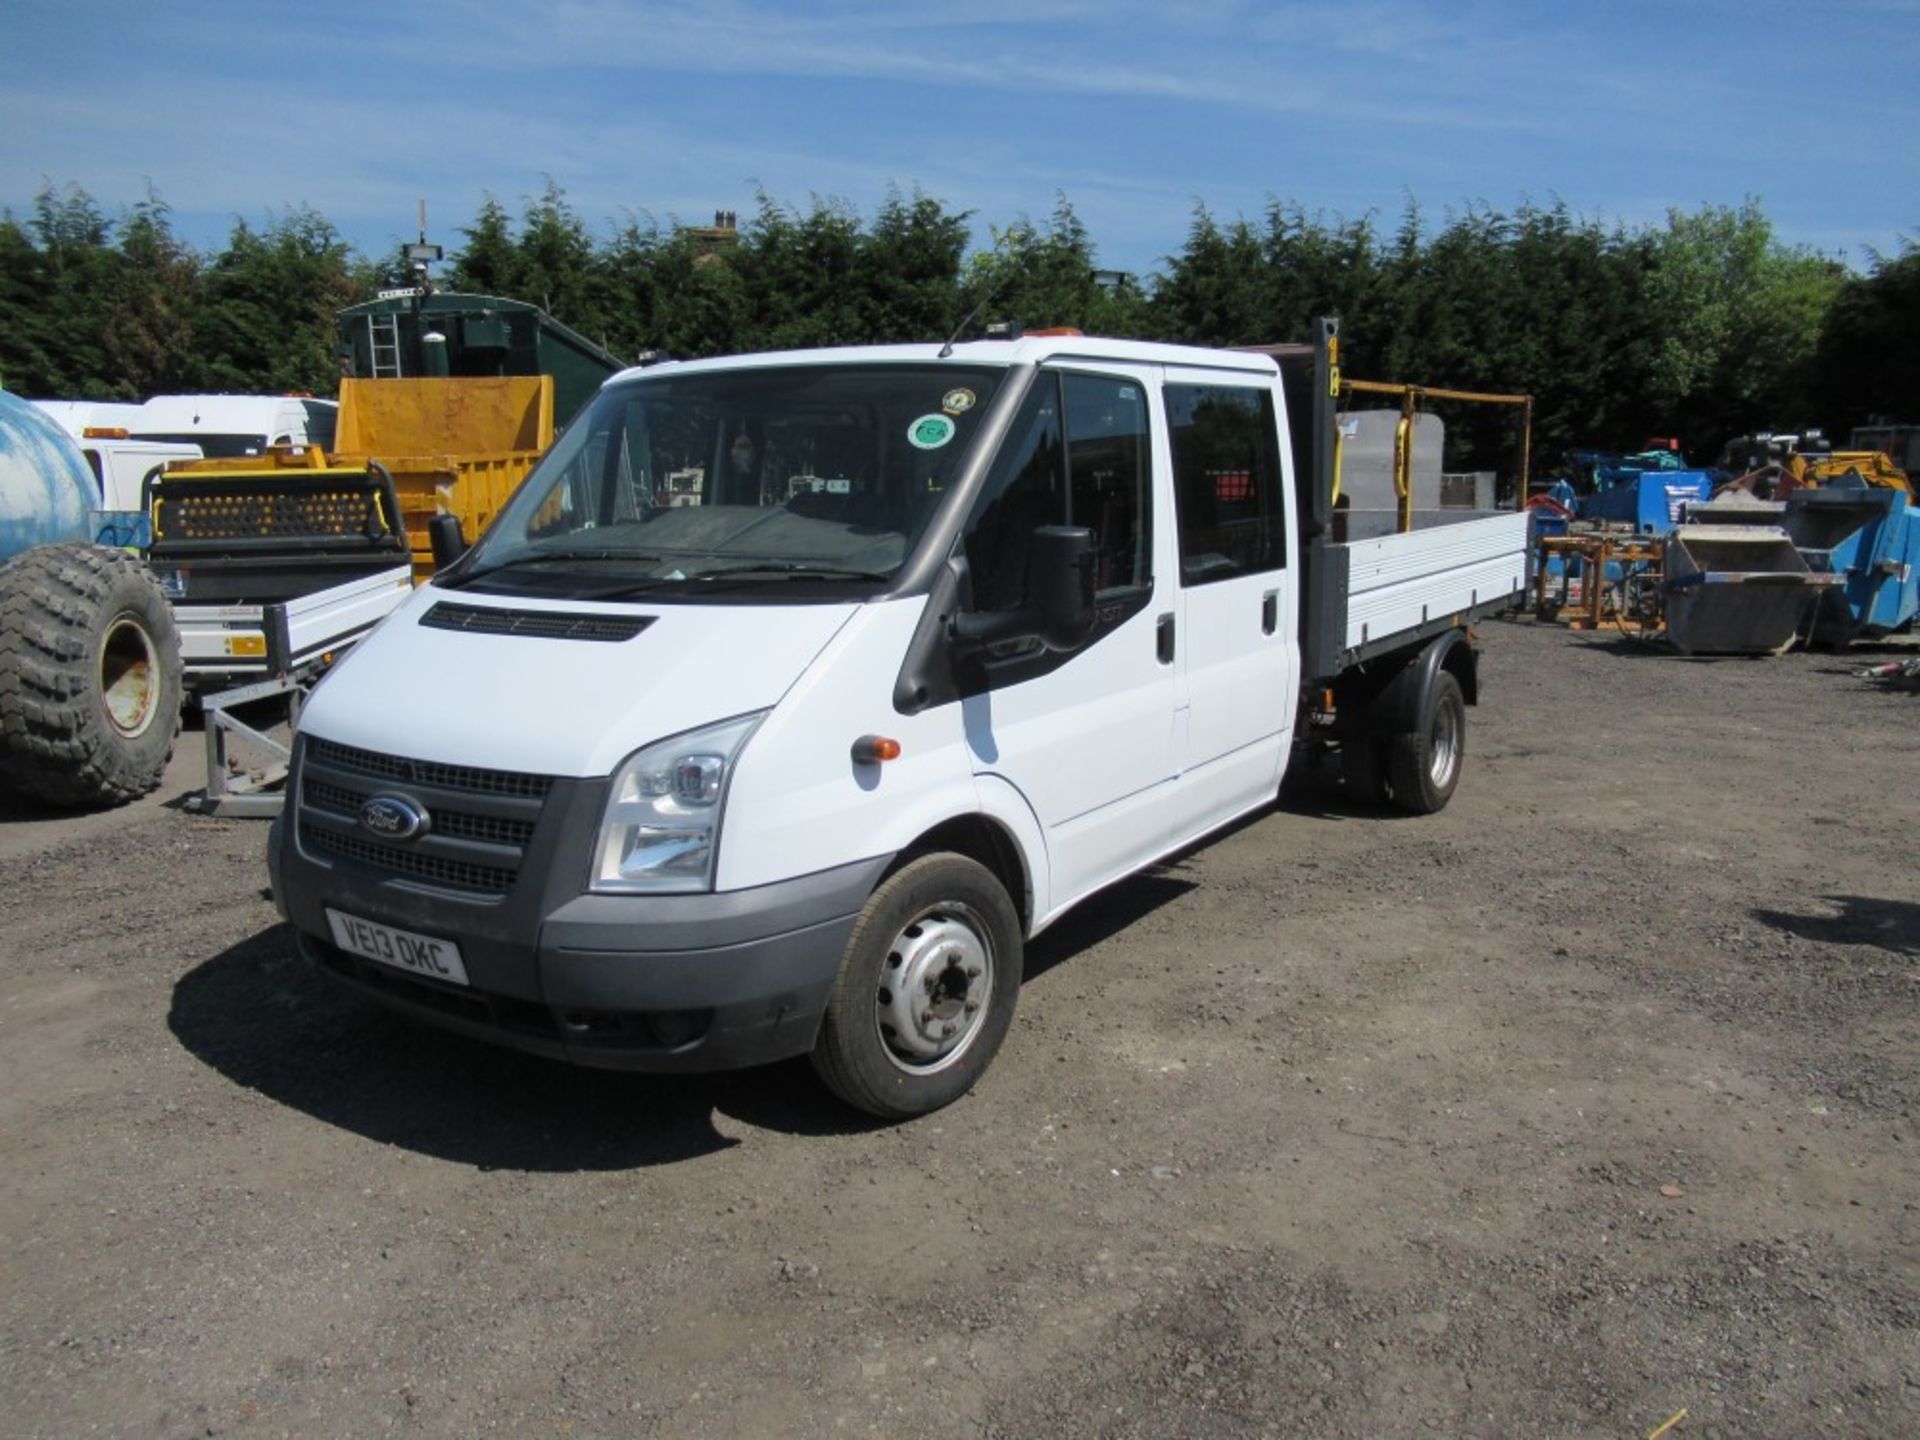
x=926, y=989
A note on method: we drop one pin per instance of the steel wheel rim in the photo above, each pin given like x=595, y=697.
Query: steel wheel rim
x=935, y=986
x=1443, y=751
x=129, y=677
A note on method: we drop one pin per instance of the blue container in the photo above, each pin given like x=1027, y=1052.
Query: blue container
x=46, y=488
x=1651, y=501
x=122, y=529
x=1870, y=535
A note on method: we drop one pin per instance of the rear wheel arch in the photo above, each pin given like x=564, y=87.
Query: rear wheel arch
x=1462, y=662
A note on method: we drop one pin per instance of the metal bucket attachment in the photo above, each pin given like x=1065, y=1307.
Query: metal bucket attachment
x=1739, y=589
x=1868, y=539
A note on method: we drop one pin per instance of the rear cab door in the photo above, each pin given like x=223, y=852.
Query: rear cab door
x=1236, y=596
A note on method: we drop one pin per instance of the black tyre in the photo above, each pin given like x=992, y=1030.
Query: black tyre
x=1424, y=763
x=926, y=991
x=1363, y=766
x=89, y=676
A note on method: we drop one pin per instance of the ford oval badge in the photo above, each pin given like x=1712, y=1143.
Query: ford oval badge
x=394, y=817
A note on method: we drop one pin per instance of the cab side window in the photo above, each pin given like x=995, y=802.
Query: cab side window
x=1226, y=481
x=1077, y=454
x=1108, y=458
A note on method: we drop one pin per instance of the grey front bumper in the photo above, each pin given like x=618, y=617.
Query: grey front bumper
x=656, y=982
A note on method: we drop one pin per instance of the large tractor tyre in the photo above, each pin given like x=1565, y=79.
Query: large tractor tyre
x=89, y=676
x=1423, y=764
x=926, y=990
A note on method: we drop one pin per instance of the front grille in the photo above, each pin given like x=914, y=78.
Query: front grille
x=427, y=772
x=535, y=624
x=488, y=829
x=480, y=821
x=440, y=870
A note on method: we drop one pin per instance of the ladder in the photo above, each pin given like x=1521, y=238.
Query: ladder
x=383, y=337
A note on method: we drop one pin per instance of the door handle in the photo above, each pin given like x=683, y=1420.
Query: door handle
x=1163, y=638
x=1269, y=611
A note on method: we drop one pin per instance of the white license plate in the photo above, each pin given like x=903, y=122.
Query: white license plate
x=407, y=950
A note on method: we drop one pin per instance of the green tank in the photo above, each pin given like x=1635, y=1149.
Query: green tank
x=394, y=336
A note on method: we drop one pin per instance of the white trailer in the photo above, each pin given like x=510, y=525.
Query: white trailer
x=680, y=786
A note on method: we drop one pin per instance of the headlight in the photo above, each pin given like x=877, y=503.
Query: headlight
x=662, y=826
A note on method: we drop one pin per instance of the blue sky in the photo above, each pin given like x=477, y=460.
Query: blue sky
x=1135, y=111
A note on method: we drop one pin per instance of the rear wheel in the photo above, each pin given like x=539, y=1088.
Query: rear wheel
x=89, y=676
x=1424, y=763
x=926, y=990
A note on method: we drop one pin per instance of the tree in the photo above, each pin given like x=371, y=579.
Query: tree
x=1214, y=292
x=801, y=274
x=148, y=335
x=268, y=320
x=1041, y=278
x=1735, y=321
x=75, y=276
x=487, y=263
x=910, y=266
x=1868, y=361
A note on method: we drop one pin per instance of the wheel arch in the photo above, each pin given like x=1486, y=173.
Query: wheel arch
x=987, y=841
x=1397, y=700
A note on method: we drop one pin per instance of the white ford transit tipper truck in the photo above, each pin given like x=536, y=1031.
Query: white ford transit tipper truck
x=793, y=693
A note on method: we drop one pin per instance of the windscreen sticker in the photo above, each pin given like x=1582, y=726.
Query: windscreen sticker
x=957, y=402
x=930, y=432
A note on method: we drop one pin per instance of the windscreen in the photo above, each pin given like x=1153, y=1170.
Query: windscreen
x=747, y=477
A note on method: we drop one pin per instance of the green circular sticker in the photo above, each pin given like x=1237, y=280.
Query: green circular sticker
x=930, y=432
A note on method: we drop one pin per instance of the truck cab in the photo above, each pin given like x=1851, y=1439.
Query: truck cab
x=792, y=694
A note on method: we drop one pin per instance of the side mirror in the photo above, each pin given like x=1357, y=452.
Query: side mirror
x=446, y=540
x=1059, y=611
x=1060, y=585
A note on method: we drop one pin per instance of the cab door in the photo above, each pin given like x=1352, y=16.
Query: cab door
x=1087, y=737
x=1236, y=593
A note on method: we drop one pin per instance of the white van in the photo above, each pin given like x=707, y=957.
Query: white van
x=226, y=426
x=123, y=466
x=691, y=762
x=76, y=417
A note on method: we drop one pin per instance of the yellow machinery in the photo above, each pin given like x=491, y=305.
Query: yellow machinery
x=455, y=447
x=1773, y=466
x=450, y=447
x=1871, y=466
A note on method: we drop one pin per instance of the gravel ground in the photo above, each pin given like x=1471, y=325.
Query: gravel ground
x=1585, y=1101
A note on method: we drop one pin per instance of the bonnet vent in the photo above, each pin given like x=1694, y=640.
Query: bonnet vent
x=536, y=624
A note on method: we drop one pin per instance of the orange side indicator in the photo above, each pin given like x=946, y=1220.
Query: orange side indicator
x=872, y=749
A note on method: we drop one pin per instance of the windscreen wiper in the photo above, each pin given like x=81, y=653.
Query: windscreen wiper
x=550, y=557
x=790, y=570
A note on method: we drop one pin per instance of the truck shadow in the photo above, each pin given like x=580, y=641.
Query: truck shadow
x=257, y=1014
x=1103, y=915
x=1890, y=925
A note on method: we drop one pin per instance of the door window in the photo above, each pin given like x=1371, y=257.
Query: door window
x=1226, y=477
x=1077, y=454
